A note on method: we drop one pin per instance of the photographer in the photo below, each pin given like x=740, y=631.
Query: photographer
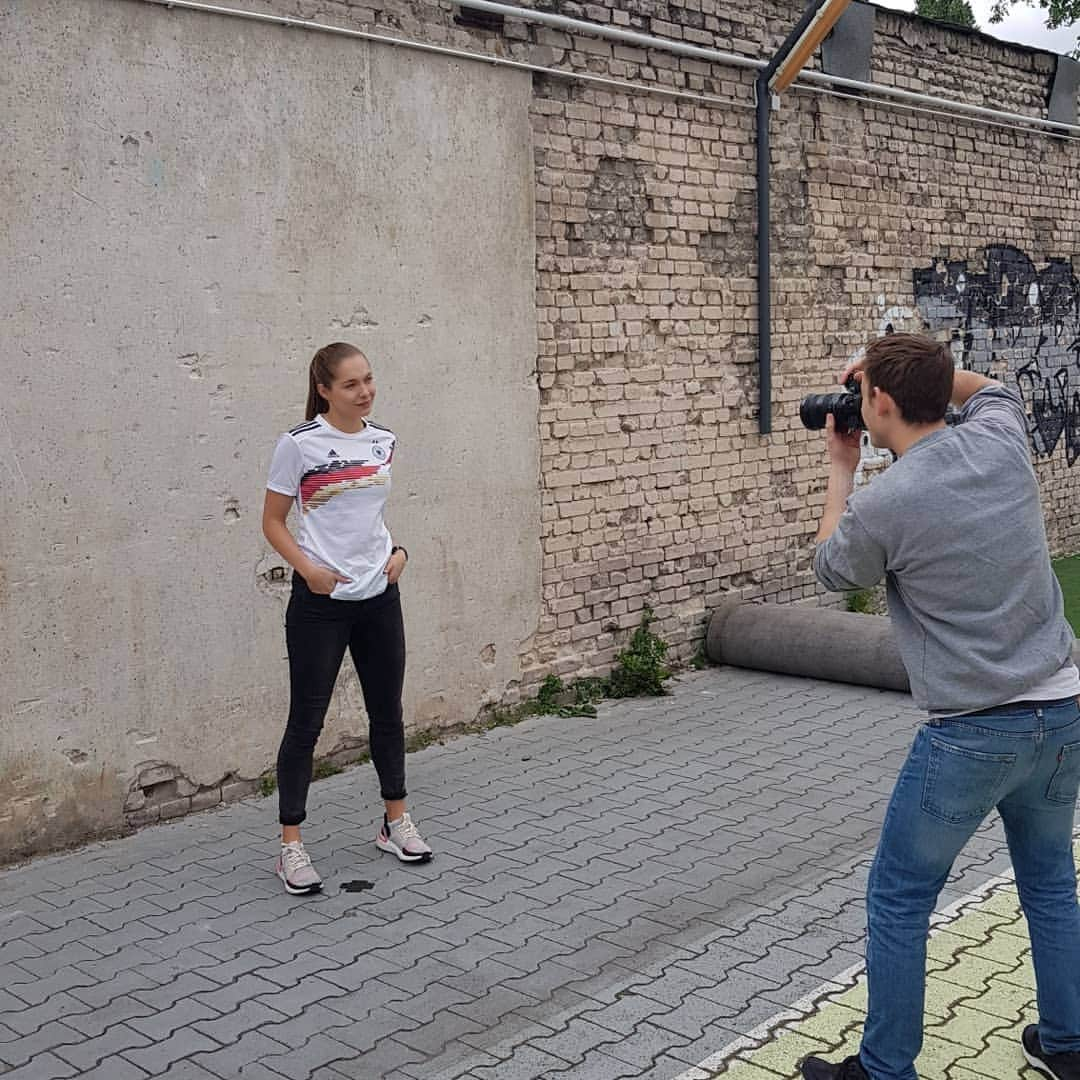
x=955, y=527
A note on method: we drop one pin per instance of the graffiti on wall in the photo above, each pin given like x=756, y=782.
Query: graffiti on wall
x=1016, y=322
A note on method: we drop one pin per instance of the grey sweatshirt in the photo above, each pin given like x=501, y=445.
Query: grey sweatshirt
x=956, y=528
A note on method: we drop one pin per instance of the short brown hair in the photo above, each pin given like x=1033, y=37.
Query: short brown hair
x=915, y=371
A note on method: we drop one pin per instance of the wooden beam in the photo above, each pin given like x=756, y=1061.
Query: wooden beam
x=804, y=48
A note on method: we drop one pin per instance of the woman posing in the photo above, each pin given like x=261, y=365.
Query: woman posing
x=335, y=469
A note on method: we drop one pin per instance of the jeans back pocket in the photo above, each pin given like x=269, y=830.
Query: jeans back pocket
x=962, y=785
x=1065, y=782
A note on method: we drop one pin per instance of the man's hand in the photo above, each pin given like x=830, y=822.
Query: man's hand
x=844, y=454
x=854, y=368
x=844, y=446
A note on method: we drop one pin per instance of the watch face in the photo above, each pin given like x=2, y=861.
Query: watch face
x=378, y=452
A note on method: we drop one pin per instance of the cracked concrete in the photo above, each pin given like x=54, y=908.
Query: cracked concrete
x=183, y=661
x=618, y=896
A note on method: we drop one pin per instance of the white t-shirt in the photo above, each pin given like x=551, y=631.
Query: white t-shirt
x=1063, y=684
x=340, y=482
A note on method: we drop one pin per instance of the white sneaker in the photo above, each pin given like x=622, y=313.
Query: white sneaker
x=295, y=870
x=402, y=839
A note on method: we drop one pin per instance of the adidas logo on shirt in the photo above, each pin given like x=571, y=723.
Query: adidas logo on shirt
x=333, y=453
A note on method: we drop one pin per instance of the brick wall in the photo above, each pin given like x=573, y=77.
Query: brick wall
x=656, y=487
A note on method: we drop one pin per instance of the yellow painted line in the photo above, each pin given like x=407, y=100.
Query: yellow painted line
x=980, y=993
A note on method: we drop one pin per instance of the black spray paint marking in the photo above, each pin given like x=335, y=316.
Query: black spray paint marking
x=356, y=886
x=1018, y=322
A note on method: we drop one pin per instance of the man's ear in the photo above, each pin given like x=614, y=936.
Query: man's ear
x=882, y=402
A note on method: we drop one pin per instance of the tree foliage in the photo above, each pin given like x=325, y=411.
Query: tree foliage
x=957, y=12
x=1058, y=13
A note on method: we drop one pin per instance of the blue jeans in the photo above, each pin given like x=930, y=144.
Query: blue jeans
x=1026, y=763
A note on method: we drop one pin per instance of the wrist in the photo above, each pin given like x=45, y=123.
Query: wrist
x=305, y=568
x=396, y=548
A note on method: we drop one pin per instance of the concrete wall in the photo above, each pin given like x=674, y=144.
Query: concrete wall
x=191, y=207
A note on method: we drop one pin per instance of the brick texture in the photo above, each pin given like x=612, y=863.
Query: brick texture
x=656, y=487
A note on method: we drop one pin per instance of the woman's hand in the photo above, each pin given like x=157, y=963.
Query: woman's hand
x=845, y=447
x=394, y=566
x=322, y=581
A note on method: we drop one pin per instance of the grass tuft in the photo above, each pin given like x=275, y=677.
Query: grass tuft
x=1068, y=573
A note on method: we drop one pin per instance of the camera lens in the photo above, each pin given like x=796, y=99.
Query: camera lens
x=845, y=407
x=814, y=409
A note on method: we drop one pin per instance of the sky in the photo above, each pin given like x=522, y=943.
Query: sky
x=1024, y=23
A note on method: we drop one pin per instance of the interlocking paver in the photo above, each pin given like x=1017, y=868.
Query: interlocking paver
x=161, y=1025
x=184, y=1070
x=490, y=1009
x=26, y=1048
x=181, y=1044
x=45, y=964
x=86, y=1054
x=514, y=1031
x=94, y=1022
x=384, y=1058
x=318, y=1019
x=622, y=1016
x=292, y=1000
x=180, y=943
x=227, y=1062
x=309, y=1056
x=525, y=1064
x=448, y=1065
x=573, y=1041
x=559, y=931
x=432, y=1038
x=432, y=1001
x=114, y=1068
x=45, y=1066
x=230, y=1027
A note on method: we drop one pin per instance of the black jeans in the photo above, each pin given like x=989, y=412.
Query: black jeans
x=317, y=632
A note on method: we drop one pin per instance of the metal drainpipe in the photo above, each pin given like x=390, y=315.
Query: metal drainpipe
x=764, y=223
x=764, y=259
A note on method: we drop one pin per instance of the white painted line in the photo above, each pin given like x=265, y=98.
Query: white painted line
x=797, y=1010
x=846, y=979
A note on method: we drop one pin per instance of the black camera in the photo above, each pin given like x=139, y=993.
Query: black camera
x=845, y=405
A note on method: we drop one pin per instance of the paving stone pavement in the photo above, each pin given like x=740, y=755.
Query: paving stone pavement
x=618, y=896
x=980, y=994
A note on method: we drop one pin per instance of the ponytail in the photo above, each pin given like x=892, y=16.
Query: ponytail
x=321, y=373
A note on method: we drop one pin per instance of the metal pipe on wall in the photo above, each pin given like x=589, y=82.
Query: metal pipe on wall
x=764, y=219
x=631, y=37
x=612, y=33
x=961, y=107
x=563, y=22
x=289, y=21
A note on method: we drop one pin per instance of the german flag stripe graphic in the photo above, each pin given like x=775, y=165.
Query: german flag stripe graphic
x=320, y=485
